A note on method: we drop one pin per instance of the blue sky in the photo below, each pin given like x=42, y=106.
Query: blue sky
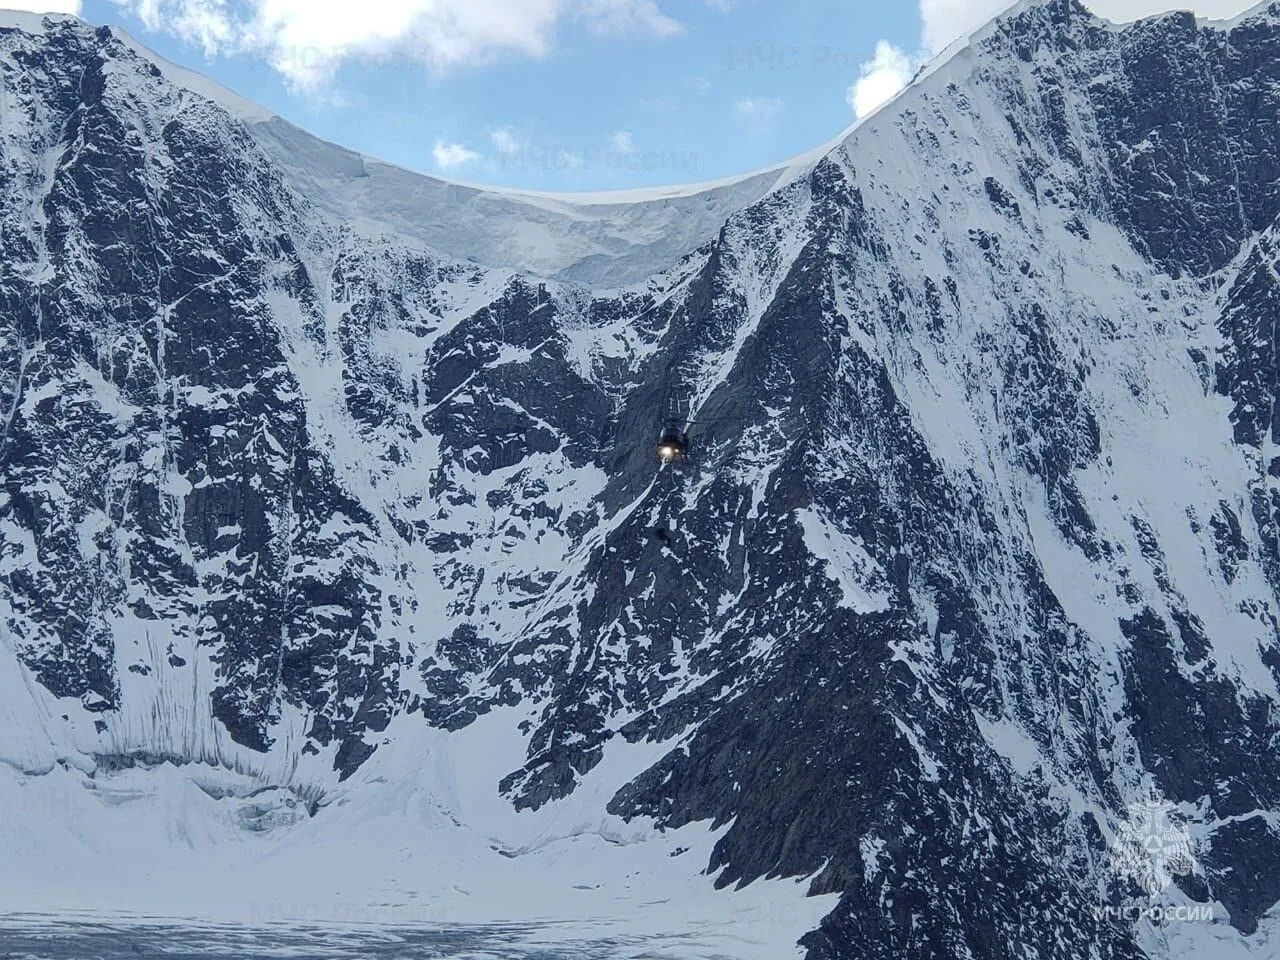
x=699, y=104
x=564, y=94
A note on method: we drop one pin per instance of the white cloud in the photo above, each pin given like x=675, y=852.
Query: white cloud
x=881, y=78
x=615, y=17
x=947, y=20
x=308, y=40
x=1122, y=11
x=450, y=155
x=205, y=26
x=507, y=142
x=758, y=113
x=622, y=143
x=42, y=6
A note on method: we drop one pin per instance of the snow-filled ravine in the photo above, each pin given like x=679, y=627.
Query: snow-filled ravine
x=345, y=607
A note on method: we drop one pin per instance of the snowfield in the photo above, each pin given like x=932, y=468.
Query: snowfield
x=330, y=608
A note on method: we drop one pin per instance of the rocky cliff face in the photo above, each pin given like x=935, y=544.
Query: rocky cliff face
x=980, y=541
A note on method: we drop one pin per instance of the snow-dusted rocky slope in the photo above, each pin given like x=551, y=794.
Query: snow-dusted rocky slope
x=325, y=549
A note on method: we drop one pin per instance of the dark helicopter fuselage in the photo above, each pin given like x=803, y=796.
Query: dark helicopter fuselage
x=673, y=443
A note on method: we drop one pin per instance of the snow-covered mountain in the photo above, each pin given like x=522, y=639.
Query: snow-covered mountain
x=325, y=514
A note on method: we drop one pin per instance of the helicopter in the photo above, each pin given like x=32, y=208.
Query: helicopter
x=673, y=445
x=673, y=441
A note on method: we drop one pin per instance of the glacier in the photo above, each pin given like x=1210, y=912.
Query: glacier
x=326, y=586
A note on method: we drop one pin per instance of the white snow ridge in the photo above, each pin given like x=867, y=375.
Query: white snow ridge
x=345, y=609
